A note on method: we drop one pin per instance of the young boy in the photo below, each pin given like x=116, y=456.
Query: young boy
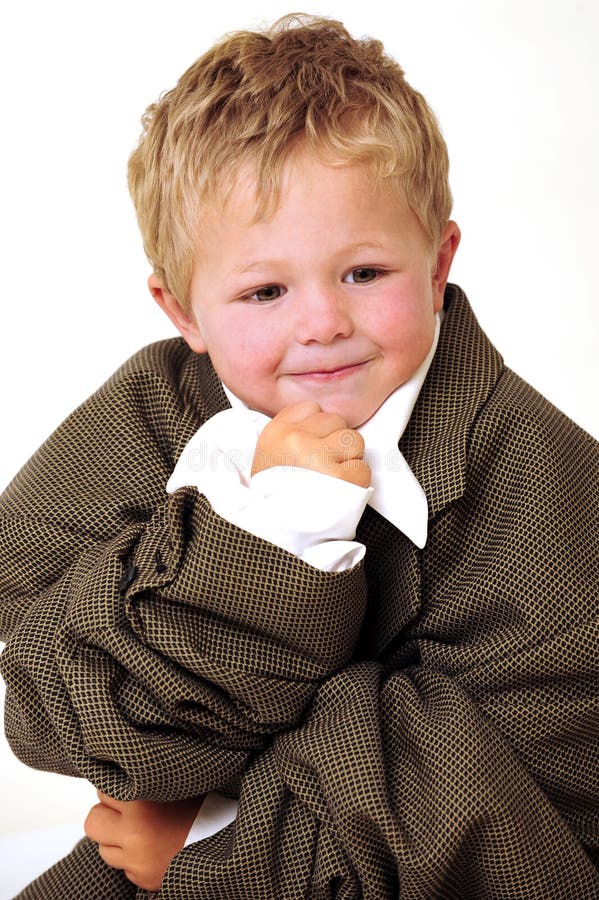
x=388, y=656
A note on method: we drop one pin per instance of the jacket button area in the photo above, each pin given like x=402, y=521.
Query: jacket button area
x=128, y=578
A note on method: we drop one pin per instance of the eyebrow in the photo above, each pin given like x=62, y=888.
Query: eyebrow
x=263, y=263
x=254, y=264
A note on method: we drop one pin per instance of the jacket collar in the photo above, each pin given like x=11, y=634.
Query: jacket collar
x=201, y=393
x=463, y=374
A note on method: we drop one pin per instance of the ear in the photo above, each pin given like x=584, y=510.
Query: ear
x=445, y=254
x=183, y=321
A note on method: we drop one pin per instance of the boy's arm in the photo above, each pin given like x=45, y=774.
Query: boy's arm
x=152, y=646
x=141, y=837
x=158, y=684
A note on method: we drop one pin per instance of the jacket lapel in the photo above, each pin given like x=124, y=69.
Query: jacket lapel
x=463, y=373
x=201, y=394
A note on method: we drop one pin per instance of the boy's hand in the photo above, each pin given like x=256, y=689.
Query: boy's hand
x=140, y=836
x=303, y=435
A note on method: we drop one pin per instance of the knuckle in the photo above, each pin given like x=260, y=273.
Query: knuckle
x=90, y=826
x=109, y=857
x=298, y=411
x=346, y=437
x=358, y=472
x=366, y=477
x=335, y=422
x=350, y=443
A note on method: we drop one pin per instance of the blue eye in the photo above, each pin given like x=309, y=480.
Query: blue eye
x=267, y=294
x=363, y=275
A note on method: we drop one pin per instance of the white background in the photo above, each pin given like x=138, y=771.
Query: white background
x=515, y=84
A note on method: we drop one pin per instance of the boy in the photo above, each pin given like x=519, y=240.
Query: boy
x=412, y=713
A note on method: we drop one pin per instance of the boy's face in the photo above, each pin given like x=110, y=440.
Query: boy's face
x=331, y=299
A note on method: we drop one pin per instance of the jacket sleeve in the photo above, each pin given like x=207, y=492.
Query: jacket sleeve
x=151, y=646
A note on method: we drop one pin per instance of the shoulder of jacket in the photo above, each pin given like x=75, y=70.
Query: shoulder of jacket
x=518, y=416
x=161, y=359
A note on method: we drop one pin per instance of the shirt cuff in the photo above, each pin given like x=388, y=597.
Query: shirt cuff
x=215, y=813
x=312, y=515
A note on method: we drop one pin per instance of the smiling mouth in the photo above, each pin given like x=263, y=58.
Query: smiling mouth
x=329, y=374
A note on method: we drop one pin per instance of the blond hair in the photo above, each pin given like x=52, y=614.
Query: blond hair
x=254, y=96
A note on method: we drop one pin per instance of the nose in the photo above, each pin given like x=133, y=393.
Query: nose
x=323, y=317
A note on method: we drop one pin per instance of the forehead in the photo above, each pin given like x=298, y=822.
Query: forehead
x=311, y=191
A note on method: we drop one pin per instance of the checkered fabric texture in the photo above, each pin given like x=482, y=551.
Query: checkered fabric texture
x=422, y=726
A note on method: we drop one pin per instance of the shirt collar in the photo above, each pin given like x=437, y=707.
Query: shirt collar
x=396, y=492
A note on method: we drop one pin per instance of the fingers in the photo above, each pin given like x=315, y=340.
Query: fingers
x=140, y=836
x=112, y=856
x=356, y=471
x=306, y=436
x=297, y=412
x=110, y=801
x=101, y=825
x=345, y=444
x=309, y=418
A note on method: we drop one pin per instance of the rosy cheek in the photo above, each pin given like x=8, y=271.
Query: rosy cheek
x=396, y=316
x=253, y=344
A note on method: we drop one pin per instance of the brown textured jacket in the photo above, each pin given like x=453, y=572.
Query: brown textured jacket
x=422, y=726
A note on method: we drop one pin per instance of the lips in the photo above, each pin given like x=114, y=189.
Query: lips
x=331, y=372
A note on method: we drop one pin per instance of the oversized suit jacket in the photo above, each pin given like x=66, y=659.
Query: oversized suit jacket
x=422, y=726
